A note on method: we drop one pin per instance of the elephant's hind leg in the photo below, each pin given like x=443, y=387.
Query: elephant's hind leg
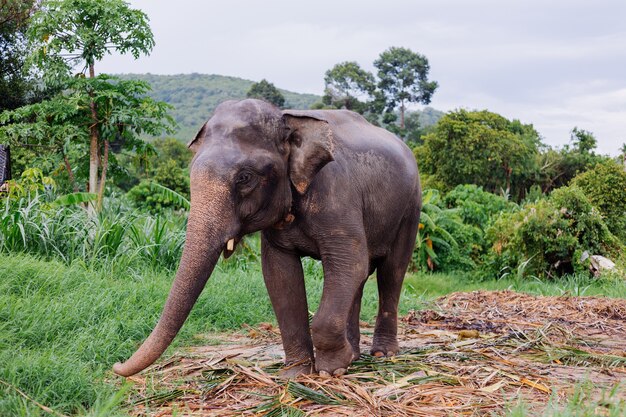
x=390, y=274
x=354, y=331
x=284, y=280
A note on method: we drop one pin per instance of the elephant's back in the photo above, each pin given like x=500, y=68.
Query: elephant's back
x=377, y=171
x=354, y=136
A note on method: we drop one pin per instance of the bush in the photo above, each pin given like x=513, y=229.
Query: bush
x=444, y=242
x=155, y=198
x=549, y=236
x=605, y=187
x=477, y=207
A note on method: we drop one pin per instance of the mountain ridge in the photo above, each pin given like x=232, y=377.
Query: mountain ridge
x=195, y=96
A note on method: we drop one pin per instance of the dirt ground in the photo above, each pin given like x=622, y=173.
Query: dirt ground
x=476, y=353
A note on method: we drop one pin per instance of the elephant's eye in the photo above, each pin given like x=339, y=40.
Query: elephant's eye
x=244, y=177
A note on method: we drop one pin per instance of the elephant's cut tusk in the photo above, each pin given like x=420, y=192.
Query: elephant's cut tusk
x=230, y=245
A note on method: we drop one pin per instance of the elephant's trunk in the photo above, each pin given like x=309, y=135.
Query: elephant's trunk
x=209, y=227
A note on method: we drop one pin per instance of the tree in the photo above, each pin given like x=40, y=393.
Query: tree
x=17, y=86
x=71, y=33
x=584, y=142
x=558, y=167
x=482, y=148
x=264, y=90
x=123, y=110
x=348, y=86
x=605, y=186
x=403, y=79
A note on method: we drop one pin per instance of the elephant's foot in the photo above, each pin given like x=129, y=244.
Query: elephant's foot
x=356, y=349
x=385, y=346
x=296, y=369
x=334, y=362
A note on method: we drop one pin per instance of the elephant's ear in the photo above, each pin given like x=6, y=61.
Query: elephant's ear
x=195, y=144
x=311, y=147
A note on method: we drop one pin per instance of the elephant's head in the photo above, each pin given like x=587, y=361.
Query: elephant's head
x=249, y=160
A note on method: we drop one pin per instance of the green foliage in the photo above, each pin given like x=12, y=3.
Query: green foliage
x=558, y=167
x=550, y=235
x=403, y=79
x=169, y=183
x=31, y=184
x=75, y=198
x=34, y=222
x=348, y=86
x=156, y=198
x=16, y=84
x=443, y=241
x=477, y=207
x=605, y=186
x=170, y=148
x=66, y=33
x=482, y=148
x=195, y=96
x=267, y=91
x=59, y=124
x=583, y=141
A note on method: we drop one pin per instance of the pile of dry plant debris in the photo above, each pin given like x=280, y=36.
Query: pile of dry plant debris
x=473, y=353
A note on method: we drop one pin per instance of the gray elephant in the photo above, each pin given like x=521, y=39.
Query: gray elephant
x=320, y=183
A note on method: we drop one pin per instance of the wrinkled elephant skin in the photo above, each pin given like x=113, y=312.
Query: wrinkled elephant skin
x=319, y=183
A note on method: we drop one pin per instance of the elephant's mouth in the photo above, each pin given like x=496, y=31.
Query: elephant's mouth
x=229, y=249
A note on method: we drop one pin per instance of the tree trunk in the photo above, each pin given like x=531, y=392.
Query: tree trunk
x=70, y=173
x=94, y=162
x=402, y=114
x=103, y=176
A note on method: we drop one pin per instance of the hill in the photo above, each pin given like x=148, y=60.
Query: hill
x=195, y=96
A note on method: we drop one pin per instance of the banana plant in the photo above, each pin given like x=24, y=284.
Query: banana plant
x=433, y=235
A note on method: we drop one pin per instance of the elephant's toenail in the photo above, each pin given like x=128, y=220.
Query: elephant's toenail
x=339, y=372
x=324, y=374
x=379, y=354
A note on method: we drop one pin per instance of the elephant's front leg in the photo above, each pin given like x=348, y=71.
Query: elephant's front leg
x=284, y=280
x=345, y=269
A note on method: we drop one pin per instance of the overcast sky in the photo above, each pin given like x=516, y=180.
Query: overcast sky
x=553, y=63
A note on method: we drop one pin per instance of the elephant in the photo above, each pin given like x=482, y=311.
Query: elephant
x=320, y=183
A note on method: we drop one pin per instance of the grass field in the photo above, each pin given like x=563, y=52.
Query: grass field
x=63, y=326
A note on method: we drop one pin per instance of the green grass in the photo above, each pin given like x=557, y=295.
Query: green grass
x=435, y=285
x=63, y=326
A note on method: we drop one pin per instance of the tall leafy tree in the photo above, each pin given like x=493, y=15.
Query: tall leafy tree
x=123, y=109
x=403, y=79
x=558, y=167
x=265, y=90
x=583, y=141
x=16, y=84
x=76, y=34
x=482, y=148
x=349, y=86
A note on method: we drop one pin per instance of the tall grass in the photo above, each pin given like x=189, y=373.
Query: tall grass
x=67, y=233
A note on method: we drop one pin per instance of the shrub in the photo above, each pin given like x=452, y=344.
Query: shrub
x=444, y=242
x=605, y=187
x=550, y=235
x=156, y=198
x=477, y=207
